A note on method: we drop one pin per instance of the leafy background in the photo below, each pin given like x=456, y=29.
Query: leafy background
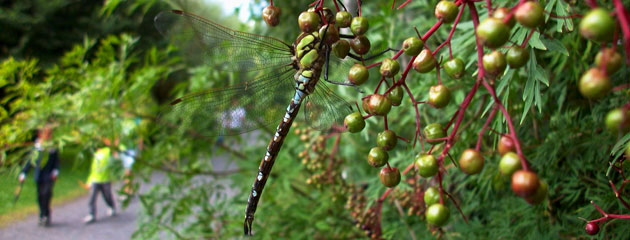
x=103, y=62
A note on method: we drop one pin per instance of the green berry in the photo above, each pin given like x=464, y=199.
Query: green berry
x=454, y=68
x=530, y=14
x=412, y=46
x=431, y=196
x=618, y=121
x=493, y=33
x=354, y=122
x=386, y=140
x=308, y=21
x=359, y=25
x=343, y=19
x=425, y=62
x=612, y=60
x=358, y=74
x=471, y=162
x=502, y=13
x=594, y=84
x=427, y=165
x=509, y=164
x=494, y=63
x=389, y=67
x=437, y=214
x=517, y=57
x=341, y=48
x=377, y=157
x=439, y=96
x=446, y=11
x=396, y=95
x=434, y=131
x=597, y=25
x=379, y=105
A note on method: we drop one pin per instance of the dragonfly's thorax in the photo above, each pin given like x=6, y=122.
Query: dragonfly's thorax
x=309, y=59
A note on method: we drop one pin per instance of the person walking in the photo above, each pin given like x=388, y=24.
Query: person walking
x=46, y=165
x=99, y=180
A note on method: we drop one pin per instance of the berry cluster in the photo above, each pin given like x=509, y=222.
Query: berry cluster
x=492, y=33
x=365, y=219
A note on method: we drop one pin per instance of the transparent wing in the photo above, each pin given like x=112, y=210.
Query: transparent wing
x=324, y=108
x=233, y=110
x=239, y=51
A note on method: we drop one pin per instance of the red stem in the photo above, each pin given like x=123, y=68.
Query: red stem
x=625, y=28
x=485, y=126
x=402, y=5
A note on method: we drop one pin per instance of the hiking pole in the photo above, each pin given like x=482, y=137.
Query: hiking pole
x=18, y=191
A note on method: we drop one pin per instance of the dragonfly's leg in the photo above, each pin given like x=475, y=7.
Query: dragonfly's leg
x=346, y=36
x=327, y=66
x=344, y=7
x=324, y=37
x=381, y=53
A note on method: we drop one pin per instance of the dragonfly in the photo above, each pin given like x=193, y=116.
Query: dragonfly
x=277, y=74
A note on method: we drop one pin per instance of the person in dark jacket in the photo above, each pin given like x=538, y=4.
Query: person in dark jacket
x=46, y=170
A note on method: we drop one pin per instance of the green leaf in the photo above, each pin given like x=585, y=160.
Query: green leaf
x=535, y=42
x=555, y=45
x=618, y=150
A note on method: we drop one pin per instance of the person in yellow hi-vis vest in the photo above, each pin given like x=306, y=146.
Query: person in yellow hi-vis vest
x=99, y=180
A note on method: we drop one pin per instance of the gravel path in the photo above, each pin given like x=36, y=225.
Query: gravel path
x=67, y=221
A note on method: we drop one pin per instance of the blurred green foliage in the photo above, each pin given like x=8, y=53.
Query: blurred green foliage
x=122, y=69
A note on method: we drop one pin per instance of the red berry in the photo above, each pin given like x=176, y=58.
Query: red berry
x=506, y=145
x=591, y=228
x=271, y=15
x=390, y=177
x=424, y=62
x=308, y=21
x=471, y=161
x=525, y=183
x=360, y=44
x=379, y=105
x=530, y=14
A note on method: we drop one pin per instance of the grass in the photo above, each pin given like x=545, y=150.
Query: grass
x=66, y=189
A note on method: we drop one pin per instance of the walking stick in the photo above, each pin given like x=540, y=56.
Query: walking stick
x=18, y=191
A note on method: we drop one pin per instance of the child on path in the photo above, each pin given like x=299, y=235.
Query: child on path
x=100, y=179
